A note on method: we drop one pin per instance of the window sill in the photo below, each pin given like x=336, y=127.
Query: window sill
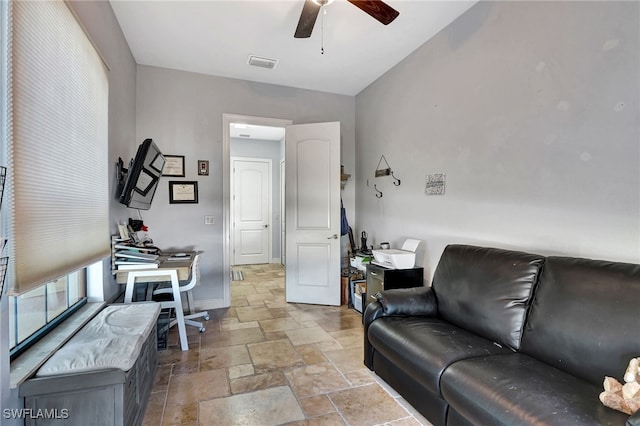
x=32, y=359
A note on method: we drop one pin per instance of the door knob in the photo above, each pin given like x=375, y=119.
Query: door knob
x=266, y=226
x=333, y=237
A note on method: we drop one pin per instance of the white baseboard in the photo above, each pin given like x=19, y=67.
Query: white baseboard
x=275, y=260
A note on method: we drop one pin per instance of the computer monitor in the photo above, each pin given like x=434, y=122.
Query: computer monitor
x=143, y=176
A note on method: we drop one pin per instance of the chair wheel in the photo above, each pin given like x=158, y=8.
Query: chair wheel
x=202, y=329
x=207, y=318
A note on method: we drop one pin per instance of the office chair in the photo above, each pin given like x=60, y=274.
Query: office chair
x=195, y=278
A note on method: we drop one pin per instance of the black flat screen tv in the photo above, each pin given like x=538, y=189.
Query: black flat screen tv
x=142, y=176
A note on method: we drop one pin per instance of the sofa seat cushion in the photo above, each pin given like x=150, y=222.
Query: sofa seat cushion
x=515, y=389
x=424, y=347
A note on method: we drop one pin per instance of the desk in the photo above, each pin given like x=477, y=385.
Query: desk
x=168, y=270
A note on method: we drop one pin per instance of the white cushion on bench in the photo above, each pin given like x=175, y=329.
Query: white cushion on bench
x=113, y=339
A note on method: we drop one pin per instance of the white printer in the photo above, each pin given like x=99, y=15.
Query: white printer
x=404, y=258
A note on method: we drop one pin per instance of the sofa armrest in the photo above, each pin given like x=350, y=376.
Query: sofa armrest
x=634, y=420
x=417, y=301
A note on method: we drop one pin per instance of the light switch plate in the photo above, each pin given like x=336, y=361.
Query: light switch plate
x=208, y=220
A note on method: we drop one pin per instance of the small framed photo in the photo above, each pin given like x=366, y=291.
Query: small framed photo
x=181, y=192
x=173, y=166
x=203, y=167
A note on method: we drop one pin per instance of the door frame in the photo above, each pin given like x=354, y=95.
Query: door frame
x=227, y=119
x=232, y=240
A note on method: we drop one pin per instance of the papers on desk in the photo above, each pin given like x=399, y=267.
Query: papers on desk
x=132, y=266
x=127, y=257
x=178, y=257
x=132, y=254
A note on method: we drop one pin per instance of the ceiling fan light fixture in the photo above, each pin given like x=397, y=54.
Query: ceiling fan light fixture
x=322, y=2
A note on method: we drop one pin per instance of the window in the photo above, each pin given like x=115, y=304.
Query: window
x=57, y=148
x=54, y=121
x=33, y=313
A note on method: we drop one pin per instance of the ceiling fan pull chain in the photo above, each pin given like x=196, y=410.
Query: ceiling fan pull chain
x=324, y=12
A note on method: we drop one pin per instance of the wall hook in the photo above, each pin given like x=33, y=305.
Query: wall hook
x=379, y=193
x=396, y=181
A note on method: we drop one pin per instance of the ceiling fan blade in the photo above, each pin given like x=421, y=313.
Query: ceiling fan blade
x=307, y=20
x=378, y=9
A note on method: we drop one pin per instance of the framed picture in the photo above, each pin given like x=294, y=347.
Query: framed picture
x=183, y=192
x=203, y=167
x=173, y=166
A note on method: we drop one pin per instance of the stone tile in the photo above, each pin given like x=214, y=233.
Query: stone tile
x=407, y=421
x=272, y=355
x=332, y=419
x=317, y=405
x=275, y=335
x=180, y=414
x=161, y=380
x=257, y=382
x=360, y=377
x=213, y=358
x=188, y=388
x=186, y=367
x=241, y=371
x=340, y=322
x=279, y=324
x=329, y=346
x=311, y=354
x=303, y=336
x=258, y=299
x=236, y=325
x=346, y=360
x=315, y=379
x=367, y=405
x=349, y=338
x=233, y=337
x=175, y=355
x=253, y=313
x=265, y=407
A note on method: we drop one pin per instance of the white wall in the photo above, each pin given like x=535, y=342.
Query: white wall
x=531, y=110
x=182, y=112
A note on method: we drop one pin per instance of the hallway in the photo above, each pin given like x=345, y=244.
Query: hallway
x=265, y=362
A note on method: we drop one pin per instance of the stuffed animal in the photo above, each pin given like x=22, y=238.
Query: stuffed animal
x=625, y=398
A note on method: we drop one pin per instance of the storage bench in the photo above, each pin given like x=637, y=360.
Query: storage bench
x=103, y=375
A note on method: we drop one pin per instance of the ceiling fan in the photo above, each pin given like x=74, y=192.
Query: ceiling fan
x=376, y=8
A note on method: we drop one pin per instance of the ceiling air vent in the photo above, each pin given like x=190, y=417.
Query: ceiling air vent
x=258, y=61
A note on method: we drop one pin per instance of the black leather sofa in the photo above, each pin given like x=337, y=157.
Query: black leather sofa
x=508, y=338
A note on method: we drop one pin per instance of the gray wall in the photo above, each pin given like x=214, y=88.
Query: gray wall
x=271, y=150
x=182, y=112
x=531, y=110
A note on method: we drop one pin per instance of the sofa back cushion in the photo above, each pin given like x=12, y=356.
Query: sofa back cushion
x=585, y=317
x=486, y=290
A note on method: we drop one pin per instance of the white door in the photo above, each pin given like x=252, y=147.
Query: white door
x=312, y=153
x=251, y=210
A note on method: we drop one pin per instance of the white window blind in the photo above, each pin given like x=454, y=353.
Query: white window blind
x=58, y=146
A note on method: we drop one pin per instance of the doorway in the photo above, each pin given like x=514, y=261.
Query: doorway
x=244, y=136
x=312, y=204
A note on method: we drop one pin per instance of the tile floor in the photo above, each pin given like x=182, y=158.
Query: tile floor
x=265, y=362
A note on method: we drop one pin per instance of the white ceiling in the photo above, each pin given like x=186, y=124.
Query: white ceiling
x=216, y=37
